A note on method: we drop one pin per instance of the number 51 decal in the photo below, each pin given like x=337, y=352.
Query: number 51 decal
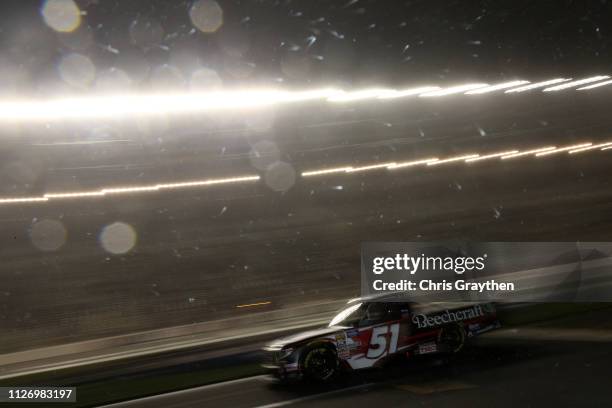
x=380, y=342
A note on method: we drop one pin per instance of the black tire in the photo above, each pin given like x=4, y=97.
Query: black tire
x=452, y=338
x=319, y=363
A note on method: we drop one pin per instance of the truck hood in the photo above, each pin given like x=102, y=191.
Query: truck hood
x=303, y=336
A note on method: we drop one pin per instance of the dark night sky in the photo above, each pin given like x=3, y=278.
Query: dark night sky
x=308, y=42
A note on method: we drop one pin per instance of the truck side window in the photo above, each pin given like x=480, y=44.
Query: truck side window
x=375, y=313
x=395, y=311
x=378, y=312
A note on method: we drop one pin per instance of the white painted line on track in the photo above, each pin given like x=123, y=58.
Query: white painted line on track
x=313, y=397
x=172, y=394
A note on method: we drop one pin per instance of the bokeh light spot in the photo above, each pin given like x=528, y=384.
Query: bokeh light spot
x=263, y=154
x=280, y=176
x=48, y=235
x=118, y=238
x=146, y=32
x=61, y=15
x=113, y=80
x=167, y=77
x=78, y=40
x=77, y=70
x=205, y=79
x=206, y=15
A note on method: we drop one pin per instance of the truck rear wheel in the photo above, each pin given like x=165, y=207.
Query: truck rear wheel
x=452, y=337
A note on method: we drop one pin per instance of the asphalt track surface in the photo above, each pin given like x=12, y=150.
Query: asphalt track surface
x=202, y=252
x=561, y=363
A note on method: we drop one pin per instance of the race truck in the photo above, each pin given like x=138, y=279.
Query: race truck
x=370, y=331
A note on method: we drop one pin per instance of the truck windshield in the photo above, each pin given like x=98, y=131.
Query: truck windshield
x=349, y=316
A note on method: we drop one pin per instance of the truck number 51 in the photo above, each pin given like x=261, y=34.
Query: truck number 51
x=381, y=342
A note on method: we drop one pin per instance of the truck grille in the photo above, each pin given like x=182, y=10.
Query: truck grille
x=270, y=358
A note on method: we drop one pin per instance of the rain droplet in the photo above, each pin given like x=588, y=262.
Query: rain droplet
x=118, y=238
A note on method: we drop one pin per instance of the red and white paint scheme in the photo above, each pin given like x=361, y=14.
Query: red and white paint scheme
x=369, y=332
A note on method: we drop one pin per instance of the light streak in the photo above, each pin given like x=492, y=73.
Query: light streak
x=469, y=158
x=537, y=85
x=132, y=104
x=412, y=163
x=574, y=84
x=369, y=167
x=452, y=90
x=253, y=304
x=208, y=182
x=584, y=149
x=452, y=159
x=597, y=85
x=343, y=96
x=497, y=87
x=112, y=106
x=326, y=171
x=491, y=156
x=563, y=149
x=80, y=143
x=127, y=190
x=22, y=200
x=300, y=96
x=408, y=92
x=74, y=195
x=433, y=161
x=529, y=152
x=124, y=190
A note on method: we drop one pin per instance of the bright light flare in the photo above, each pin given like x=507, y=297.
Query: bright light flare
x=125, y=105
x=497, y=87
x=453, y=90
x=300, y=96
x=537, y=85
x=563, y=149
x=343, y=96
x=107, y=106
x=574, y=84
x=491, y=156
x=408, y=92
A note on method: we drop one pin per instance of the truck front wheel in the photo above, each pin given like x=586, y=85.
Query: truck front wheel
x=320, y=363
